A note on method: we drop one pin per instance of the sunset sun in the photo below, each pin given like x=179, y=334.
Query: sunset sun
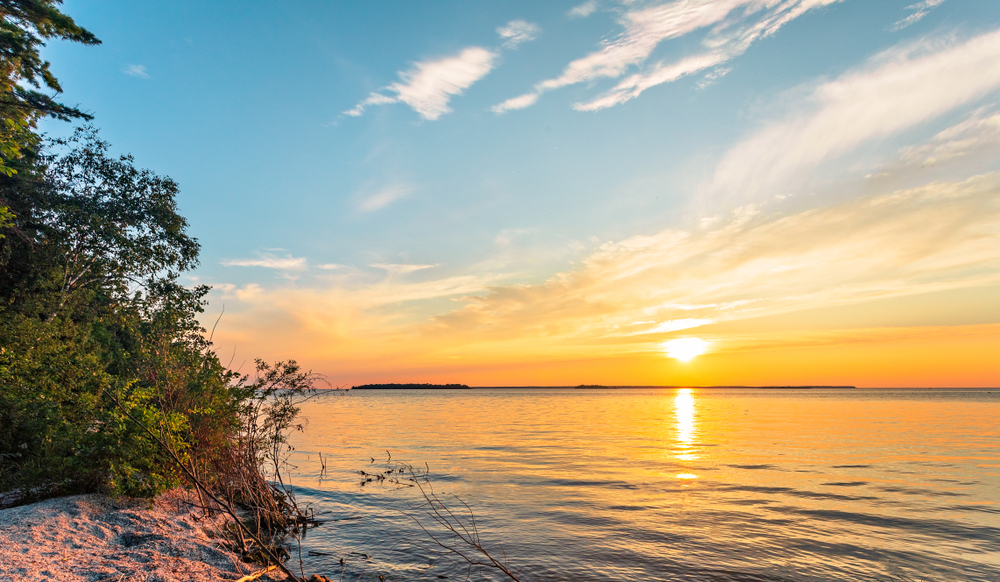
x=685, y=349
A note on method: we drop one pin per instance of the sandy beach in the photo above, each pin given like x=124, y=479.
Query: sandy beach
x=93, y=537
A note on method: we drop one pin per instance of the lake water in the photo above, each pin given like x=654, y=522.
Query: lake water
x=660, y=484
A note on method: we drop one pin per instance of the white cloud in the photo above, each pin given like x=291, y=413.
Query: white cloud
x=899, y=89
x=980, y=132
x=372, y=99
x=330, y=266
x=516, y=32
x=384, y=197
x=136, y=71
x=526, y=100
x=584, y=10
x=270, y=261
x=712, y=76
x=429, y=85
x=921, y=8
x=735, y=25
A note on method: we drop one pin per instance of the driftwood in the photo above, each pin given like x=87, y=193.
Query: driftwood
x=256, y=575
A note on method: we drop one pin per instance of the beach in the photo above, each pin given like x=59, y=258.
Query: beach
x=94, y=537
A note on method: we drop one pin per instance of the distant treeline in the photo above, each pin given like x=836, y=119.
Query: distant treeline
x=411, y=387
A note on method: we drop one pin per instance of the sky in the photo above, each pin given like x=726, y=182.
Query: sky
x=644, y=192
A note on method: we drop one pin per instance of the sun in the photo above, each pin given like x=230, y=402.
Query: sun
x=686, y=348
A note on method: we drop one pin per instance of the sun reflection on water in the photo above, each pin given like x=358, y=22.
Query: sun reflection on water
x=686, y=429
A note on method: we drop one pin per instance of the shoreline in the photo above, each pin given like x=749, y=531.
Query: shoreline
x=94, y=537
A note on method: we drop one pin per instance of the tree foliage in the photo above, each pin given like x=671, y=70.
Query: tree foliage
x=99, y=341
x=24, y=27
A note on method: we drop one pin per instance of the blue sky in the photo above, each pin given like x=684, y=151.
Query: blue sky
x=413, y=165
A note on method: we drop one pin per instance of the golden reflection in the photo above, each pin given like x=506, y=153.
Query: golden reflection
x=686, y=476
x=684, y=412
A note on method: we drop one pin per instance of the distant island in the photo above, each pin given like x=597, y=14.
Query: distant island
x=588, y=386
x=411, y=387
x=807, y=387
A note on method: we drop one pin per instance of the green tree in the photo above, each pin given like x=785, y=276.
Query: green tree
x=24, y=27
x=90, y=308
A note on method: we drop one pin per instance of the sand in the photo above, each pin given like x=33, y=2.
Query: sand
x=92, y=537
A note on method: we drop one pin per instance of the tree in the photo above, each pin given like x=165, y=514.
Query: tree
x=90, y=305
x=24, y=26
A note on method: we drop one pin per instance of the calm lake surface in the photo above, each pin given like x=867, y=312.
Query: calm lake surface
x=661, y=484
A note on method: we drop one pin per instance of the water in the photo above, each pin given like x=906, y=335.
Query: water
x=661, y=484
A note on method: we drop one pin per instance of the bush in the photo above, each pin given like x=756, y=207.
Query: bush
x=99, y=342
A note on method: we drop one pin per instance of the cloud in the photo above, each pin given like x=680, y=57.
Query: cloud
x=678, y=324
x=270, y=261
x=897, y=90
x=505, y=238
x=429, y=85
x=979, y=133
x=921, y=8
x=394, y=269
x=583, y=10
x=735, y=25
x=939, y=236
x=516, y=32
x=136, y=71
x=372, y=99
x=384, y=197
x=526, y=100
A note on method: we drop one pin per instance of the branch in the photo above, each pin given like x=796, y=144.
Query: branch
x=201, y=487
x=440, y=513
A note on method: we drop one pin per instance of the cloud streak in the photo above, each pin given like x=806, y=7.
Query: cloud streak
x=136, y=71
x=270, y=261
x=517, y=32
x=921, y=9
x=897, y=90
x=735, y=25
x=429, y=85
x=383, y=198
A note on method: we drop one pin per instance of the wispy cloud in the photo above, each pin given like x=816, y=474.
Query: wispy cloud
x=921, y=9
x=396, y=269
x=270, y=261
x=979, y=133
x=583, y=10
x=678, y=325
x=516, y=32
x=429, y=85
x=519, y=102
x=384, y=197
x=136, y=71
x=935, y=237
x=897, y=90
x=735, y=25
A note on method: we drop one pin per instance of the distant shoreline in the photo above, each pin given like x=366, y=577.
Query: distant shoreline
x=602, y=387
x=582, y=387
x=411, y=387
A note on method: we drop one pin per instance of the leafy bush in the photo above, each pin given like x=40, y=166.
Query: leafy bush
x=99, y=342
